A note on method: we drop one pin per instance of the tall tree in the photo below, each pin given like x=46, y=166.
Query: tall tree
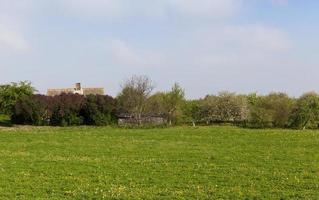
x=191, y=111
x=11, y=93
x=225, y=107
x=155, y=104
x=306, y=111
x=173, y=101
x=134, y=96
x=273, y=110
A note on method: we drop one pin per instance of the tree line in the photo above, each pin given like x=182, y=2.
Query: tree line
x=137, y=99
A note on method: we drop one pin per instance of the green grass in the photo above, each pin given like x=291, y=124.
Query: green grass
x=174, y=163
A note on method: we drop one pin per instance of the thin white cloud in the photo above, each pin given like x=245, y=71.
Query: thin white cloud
x=12, y=40
x=242, y=46
x=258, y=37
x=223, y=46
x=93, y=8
x=15, y=17
x=206, y=8
x=124, y=54
x=146, y=8
x=206, y=54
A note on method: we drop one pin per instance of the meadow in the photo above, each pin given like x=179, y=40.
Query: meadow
x=171, y=163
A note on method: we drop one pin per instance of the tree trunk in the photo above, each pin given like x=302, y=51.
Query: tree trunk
x=305, y=124
x=140, y=119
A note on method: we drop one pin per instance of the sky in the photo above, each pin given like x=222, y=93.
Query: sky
x=206, y=46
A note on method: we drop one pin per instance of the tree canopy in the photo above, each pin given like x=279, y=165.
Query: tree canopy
x=11, y=93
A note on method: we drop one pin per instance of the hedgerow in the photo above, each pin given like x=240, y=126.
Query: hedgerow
x=64, y=110
x=136, y=101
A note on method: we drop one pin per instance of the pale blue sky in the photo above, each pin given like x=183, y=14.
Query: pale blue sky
x=205, y=45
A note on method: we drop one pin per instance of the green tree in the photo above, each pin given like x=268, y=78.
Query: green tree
x=191, y=111
x=134, y=96
x=173, y=101
x=306, y=111
x=32, y=110
x=11, y=93
x=98, y=110
x=273, y=110
x=155, y=104
x=226, y=107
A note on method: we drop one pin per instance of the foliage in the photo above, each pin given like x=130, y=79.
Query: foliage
x=32, y=110
x=134, y=96
x=11, y=93
x=172, y=103
x=64, y=110
x=226, y=107
x=155, y=103
x=191, y=111
x=98, y=110
x=5, y=120
x=136, y=102
x=168, y=104
x=273, y=110
x=306, y=112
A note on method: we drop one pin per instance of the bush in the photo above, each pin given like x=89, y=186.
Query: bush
x=31, y=110
x=98, y=110
x=259, y=118
x=64, y=110
x=306, y=112
x=226, y=107
x=10, y=94
x=191, y=111
x=273, y=110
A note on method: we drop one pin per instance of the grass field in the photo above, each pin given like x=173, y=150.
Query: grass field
x=174, y=163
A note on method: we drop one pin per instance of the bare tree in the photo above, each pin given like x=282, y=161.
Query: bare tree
x=134, y=96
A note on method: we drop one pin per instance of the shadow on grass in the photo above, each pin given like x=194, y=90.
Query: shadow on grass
x=5, y=124
x=5, y=121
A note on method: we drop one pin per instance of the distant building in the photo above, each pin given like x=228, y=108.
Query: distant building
x=76, y=90
x=149, y=119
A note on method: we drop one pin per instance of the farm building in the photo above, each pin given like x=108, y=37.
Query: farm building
x=150, y=119
x=76, y=90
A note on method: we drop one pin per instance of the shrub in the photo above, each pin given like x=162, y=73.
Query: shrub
x=273, y=110
x=226, y=107
x=10, y=94
x=64, y=110
x=259, y=118
x=191, y=111
x=306, y=112
x=31, y=110
x=98, y=110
